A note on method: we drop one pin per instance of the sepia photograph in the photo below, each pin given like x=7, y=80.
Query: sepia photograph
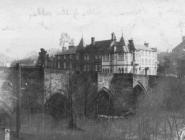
x=92, y=70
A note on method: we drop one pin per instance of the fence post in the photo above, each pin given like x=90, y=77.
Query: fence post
x=18, y=124
x=7, y=134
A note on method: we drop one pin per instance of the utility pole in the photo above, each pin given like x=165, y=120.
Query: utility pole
x=134, y=65
x=18, y=122
x=70, y=100
x=72, y=123
x=43, y=100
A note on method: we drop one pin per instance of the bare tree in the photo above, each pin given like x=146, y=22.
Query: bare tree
x=65, y=39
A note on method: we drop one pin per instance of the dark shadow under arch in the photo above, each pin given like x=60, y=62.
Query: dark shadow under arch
x=142, y=87
x=104, y=102
x=57, y=106
x=138, y=95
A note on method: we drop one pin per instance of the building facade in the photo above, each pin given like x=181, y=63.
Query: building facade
x=146, y=60
x=135, y=59
x=108, y=56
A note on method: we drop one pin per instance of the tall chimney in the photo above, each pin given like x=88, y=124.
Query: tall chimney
x=92, y=40
x=130, y=42
x=113, y=37
x=131, y=45
x=146, y=44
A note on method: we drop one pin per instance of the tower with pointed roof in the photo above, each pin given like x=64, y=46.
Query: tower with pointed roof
x=122, y=41
x=81, y=44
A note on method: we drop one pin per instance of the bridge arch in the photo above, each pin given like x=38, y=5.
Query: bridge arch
x=103, y=91
x=139, y=92
x=139, y=85
x=104, y=102
x=57, y=106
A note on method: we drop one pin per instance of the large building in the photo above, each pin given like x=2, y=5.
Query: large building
x=137, y=59
x=146, y=60
x=108, y=56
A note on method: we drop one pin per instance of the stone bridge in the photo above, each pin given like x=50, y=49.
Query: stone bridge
x=118, y=93
x=115, y=92
x=56, y=81
x=130, y=80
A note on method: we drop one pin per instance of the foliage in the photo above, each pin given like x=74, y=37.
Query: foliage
x=181, y=67
x=8, y=96
x=163, y=66
x=166, y=95
x=32, y=92
x=31, y=87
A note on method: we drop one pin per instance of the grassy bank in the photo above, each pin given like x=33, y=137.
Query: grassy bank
x=163, y=126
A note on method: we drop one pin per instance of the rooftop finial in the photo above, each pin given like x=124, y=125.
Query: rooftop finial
x=122, y=41
x=81, y=43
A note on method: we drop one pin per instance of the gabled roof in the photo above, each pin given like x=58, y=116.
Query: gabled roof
x=122, y=41
x=101, y=46
x=102, y=43
x=106, y=46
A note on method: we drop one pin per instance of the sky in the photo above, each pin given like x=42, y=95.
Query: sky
x=28, y=25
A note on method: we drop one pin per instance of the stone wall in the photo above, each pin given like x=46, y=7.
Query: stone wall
x=55, y=81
